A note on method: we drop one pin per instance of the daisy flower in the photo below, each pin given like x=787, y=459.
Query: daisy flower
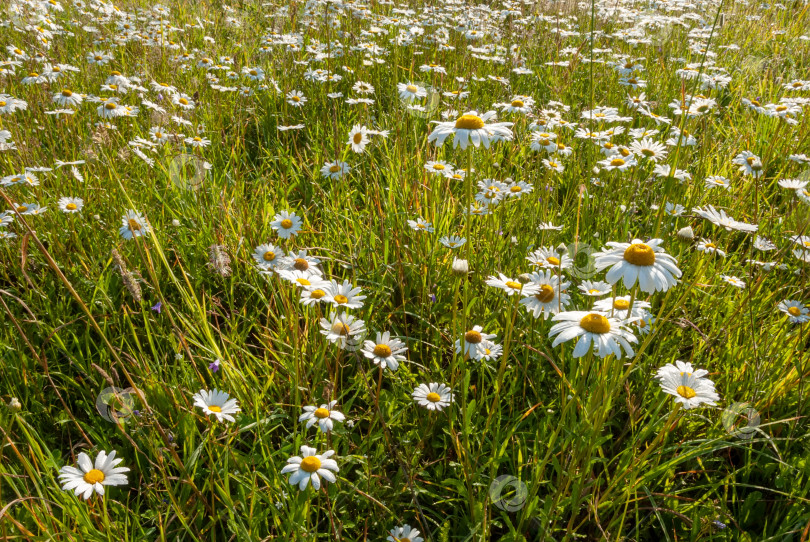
x=385, y=351
x=510, y=286
x=70, y=205
x=734, y=281
x=644, y=263
x=344, y=295
x=648, y=149
x=720, y=218
x=133, y=224
x=301, y=261
x=335, y=170
x=470, y=127
x=358, y=138
x=441, y=168
x=218, y=403
x=546, y=296
x=619, y=307
x=340, y=328
x=432, y=396
x=453, y=241
x=267, y=256
x=91, y=477
x=286, y=224
x=404, y=534
x=706, y=245
x=410, y=91
x=796, y=311
x=420, y=224
x=595, y=289
x=688, y=386
x=608, y=335
x=750, y=164
x=324, y=416
x=474, y=341
x=310, y=468
x=549, y=258
x=296, y=99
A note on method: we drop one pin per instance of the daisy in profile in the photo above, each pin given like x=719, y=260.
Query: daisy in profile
x=453, y=241
x=470, y=127
x=344, y=295
x=385, y=352
x=410, y=92
x=594, y=288
x=91, y=477
x=548, y=258
x=335, y=170
x=420, y=224
x=720, y=218
x=340, y=328
x=608, y=335
x=474, y=343
x=133, y=224
x=546, y=296
x=734, y=281
x=310, y=467
x=432, y=396
x=404, y=534
x=324, y=416
x=796, y=311
x=218, y=403
x=619, y=307
x=286, y=224
x=510, y=286
x=70, y=205
x=644, y=263
x=708, y=247
x=688, y=386
x=439, y=168
x=648, y=149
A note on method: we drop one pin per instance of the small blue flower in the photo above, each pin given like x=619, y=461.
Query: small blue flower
x=157, y=306
x=214, y=366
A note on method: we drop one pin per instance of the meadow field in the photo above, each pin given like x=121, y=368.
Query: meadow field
x=406, y=271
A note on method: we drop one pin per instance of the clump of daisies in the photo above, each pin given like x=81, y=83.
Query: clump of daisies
x=690, y=387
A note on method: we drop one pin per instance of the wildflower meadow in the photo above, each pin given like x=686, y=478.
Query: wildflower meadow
x=414, y=271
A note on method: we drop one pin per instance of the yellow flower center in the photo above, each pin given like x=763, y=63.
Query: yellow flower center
x=303, y=282
x=469, y=122
x=94, y=476
x=517, y=103
x=110, y=105
x=321, y=413
x=640, y=254
x=686, y=392
x=711, y=245
x=621, y=304
x=334, y=169
x=593, y=291
x=750, y=160
x=624, y=152
x=595, y=323
x=358, y=137
x=71, y=207
x=183, y=101
x=22, y=209
x=296, y=99
x=382, y=350
x=781, y=107
x=438, y=167
x=300, y=264
x=546, y=294
x=341, y=299
x=286, y=223
x=310, y=464
x=197, y=138
x=317, y=294
x=253, y=72
x=269, y=256
x=339, y=328
x=514, y=285
x=18, y=52
x=66, y=93
x=473, y=337
x=617, y=162
x=134, y=225
x=433, y=397
x=215, y=408
x=412, y=89
x=553, y=261
x=794, y=311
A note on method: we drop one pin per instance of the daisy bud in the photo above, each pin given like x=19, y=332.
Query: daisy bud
x=176, y=223
x=524, y=278
x=496, y=165
x=14, y=404
x=686, y=234
x=460, y=267
x=561, y=248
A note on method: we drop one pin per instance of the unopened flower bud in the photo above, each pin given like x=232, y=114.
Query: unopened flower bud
x=686, y=234
x=460, y=267
x=14, y=404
